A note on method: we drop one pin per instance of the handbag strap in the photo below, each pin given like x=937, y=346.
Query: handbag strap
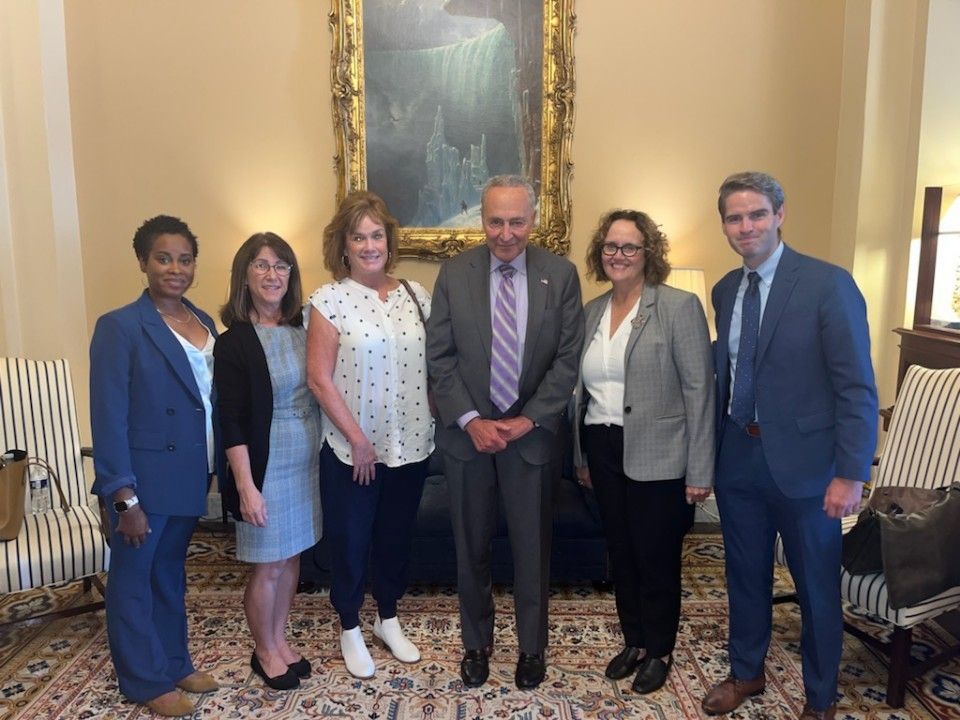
x=416, y=302
x=51, y=473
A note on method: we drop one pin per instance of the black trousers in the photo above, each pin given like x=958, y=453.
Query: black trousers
x=644, y=523
x=372, y=523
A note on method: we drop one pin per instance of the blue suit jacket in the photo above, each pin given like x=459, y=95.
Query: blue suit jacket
x=816, y=394
x=146, y=412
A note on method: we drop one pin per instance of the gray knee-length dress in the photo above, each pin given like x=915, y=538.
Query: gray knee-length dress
x=291, y=487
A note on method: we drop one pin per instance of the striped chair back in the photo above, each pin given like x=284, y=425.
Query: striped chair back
x=923, y=443
x=38, y=414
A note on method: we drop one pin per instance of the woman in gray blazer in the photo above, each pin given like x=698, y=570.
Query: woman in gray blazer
x=644, y=433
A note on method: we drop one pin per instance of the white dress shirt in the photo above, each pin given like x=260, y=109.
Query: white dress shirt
x=604, y=369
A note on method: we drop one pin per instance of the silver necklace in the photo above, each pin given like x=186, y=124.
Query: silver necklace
x=176, y=319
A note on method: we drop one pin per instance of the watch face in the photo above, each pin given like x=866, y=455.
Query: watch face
x=120, y=506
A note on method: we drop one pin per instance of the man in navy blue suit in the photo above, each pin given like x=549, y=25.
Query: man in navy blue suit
x=797, y=429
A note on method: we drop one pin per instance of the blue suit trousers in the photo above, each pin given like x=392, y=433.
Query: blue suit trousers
x=752, y=511
x=146, y=615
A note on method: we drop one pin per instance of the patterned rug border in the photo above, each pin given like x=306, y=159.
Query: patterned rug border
x=63, y=669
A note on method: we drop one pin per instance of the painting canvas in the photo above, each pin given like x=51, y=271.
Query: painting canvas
x=437, y=96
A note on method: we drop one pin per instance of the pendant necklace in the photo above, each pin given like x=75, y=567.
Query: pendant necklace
x=176, y=319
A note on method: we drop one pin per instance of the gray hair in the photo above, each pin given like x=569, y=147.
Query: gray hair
x=509, y=181
x=753, y=181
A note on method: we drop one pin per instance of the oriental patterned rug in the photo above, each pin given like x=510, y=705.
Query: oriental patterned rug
x=62, y=669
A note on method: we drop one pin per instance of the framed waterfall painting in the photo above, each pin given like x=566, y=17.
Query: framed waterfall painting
x=432, y=98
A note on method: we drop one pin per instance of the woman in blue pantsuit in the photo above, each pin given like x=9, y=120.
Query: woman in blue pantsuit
x=151, y=414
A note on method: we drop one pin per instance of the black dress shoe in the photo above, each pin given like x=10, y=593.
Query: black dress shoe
x=530, y=671
x=652, y=675
x=474, y=668
x=301, y=668
x=625, y=663
x=287, y=681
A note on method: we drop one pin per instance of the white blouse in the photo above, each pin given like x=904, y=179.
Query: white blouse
x=381, y=369
x=201, y=363
x=604, y=370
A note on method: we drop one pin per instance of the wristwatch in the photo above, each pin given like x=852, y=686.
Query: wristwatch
x=121, y=506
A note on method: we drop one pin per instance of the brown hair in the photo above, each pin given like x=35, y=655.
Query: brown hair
x=239, y=302
x=656, y=267
x=352, y=210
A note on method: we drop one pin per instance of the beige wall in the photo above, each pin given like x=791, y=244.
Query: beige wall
x=219, y=112
x=939, y=155
x=41, y=273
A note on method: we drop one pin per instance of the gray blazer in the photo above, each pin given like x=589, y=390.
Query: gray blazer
x=459, y=339
x=668, y=399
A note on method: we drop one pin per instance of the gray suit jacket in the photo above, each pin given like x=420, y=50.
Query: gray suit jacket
x=459, y=341
x=668, y=399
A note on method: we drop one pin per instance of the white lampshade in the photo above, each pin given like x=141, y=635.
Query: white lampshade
x=950, y=222
x=690, y=279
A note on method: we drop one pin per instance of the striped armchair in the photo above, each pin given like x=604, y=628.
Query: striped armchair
x=38, y=414
x=922, y=450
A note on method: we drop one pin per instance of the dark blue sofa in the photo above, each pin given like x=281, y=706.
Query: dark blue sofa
x=579, y=550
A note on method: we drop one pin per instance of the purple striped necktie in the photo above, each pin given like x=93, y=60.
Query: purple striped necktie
x=505, y=348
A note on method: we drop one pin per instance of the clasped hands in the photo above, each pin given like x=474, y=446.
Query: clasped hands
x=490, y=436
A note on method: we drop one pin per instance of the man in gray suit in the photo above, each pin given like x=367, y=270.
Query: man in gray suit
x=503, y=346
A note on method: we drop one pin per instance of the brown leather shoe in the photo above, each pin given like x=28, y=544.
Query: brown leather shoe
x=198, y=682
x=728, y=695
x=810, y=714
x=171, y=704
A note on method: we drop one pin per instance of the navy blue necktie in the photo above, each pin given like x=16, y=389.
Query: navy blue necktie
x=744, y=393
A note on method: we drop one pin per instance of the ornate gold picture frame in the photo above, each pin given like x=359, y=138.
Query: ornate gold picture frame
x=428, y=101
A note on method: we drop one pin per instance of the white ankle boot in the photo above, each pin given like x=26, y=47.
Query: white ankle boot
x=355, y=654
x=389, y=632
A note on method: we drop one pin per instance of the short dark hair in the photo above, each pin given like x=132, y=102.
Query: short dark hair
x=352, y=210
x=752, y=181
x=239, y=302
x=153, y=228
x=656, y=267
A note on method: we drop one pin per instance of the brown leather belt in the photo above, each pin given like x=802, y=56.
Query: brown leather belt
x=752, y=429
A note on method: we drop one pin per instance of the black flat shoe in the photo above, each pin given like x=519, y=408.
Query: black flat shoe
x=301, y=668
x=530, y=671
x=652, y=675
x=287, y=681
x=474, y=668
x=624, y=664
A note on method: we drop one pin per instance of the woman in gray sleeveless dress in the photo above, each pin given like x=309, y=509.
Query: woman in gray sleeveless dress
x=270, y=429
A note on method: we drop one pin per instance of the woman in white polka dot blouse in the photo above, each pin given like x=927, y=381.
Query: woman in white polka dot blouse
x=366, y=367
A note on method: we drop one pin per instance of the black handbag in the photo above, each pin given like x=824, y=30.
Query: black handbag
x=920, y=550
x=863, y=545
x=862, y=552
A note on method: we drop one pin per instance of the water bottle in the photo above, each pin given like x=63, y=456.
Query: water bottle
x=39, y=490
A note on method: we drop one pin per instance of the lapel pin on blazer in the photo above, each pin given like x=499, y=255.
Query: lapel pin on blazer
x=545, y=281
x=638, y=321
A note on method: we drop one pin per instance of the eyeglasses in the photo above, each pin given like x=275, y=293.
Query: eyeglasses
x=262, y=267
x=610, y=249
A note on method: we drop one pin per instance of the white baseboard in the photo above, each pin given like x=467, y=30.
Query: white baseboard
x=707, y=511
x=214, y=511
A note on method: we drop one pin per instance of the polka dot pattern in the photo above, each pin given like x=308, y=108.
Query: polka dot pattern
x=381, y=369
